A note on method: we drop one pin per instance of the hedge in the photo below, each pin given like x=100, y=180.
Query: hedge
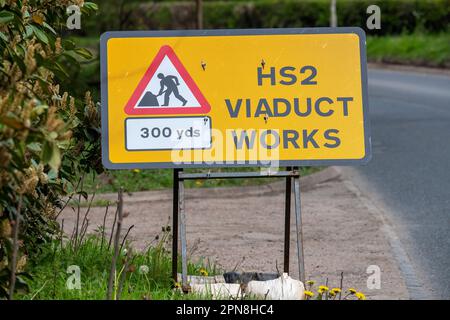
x=397, y=16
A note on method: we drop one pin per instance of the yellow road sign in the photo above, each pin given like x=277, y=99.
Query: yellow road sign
x=286, y=97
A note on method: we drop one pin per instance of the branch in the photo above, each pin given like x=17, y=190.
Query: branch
x=124, y=238
x=123, y=276
x=12, y=282
x=104, y=226
x=116, y=246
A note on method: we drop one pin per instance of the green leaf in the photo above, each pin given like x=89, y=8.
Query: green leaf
x=3, y=37
x=6, y=16
x=53, y=135
x=52, y=174
x=19, y=60
x=40, y=34
x=68, y=44
x=83, y=52
x=56, y=68
x=55, y=161
x=83, y=194
x=28, y=31
x=47, y=26
x=69, y=56
x=46, y=152
x=34, y=147
x=89, y=6
x=20, y=49
x=51, y=39
x=51, y=155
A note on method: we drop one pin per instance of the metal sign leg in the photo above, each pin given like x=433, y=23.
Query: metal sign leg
x=182, y=234
x=175, y=214
x=298, y=225
x=287, y=222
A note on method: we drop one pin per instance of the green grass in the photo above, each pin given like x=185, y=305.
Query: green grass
x=141, y=180
x=48, y=269
x=414, y=49
x=95, y=203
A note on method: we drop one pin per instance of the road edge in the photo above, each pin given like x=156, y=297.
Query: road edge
x=416, y=288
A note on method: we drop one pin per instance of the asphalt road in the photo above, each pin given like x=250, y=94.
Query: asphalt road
x=409, y=174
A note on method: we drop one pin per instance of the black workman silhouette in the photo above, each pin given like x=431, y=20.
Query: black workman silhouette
x=171, y=83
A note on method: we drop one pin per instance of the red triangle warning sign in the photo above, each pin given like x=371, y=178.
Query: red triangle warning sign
x=167, y=88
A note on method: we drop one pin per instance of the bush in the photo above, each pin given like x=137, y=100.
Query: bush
x=48, y=134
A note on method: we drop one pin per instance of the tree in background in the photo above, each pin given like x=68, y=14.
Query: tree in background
x=333, y=15
x=199, y=13
x=48, y=138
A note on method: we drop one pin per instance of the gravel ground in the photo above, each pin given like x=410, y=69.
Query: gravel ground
x=243, y=227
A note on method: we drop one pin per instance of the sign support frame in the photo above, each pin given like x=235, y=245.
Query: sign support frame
x=292, y=175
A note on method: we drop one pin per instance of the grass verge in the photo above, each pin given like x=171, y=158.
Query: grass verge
x=142, y=180
x=147, y=275
x=414, y=49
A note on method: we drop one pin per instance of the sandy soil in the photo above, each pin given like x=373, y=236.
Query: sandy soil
x=244, y=227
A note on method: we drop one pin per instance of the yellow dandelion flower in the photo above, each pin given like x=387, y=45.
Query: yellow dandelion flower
x=136, y=170
x=308, y=294
x=352, y=290
x=310, y=282
x=322, y=289
x=177, y=285
x=360, y=296
x=203, y=272
x=331, y=293
x=336, y=290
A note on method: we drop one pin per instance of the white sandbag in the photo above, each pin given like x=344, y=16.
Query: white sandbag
x=218, y=290
x=282, y=288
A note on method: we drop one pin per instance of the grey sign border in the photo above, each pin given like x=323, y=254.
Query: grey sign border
x=231, y=32
x=202, y=117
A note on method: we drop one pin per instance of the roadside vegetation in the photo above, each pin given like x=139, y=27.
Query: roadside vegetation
x=412, y=31
x=139, y=274
x=397, y=16
x=49, y=129
x=142, y=180
x=419, y=49
x=75, y=264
